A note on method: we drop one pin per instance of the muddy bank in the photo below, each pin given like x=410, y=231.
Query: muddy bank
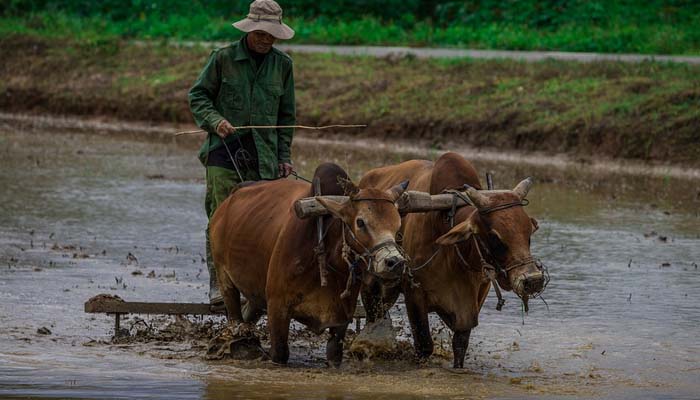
x=647, y=111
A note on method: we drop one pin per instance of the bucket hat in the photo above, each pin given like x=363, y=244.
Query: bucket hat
x=265, y=15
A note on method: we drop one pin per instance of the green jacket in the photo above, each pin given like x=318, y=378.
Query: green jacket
x=230, y=88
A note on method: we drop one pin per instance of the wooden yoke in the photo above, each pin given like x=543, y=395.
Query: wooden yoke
x=409, y=202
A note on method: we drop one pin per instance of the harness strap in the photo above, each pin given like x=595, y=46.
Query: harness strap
x=352, y=235
x=461, y=257
x=490, y=273
x=425, y=264
x=346, y=253
x=519, y=263
x=489, y=210
x=366, y=256
x=352, y=278
x=385, y=243
x=321, y=246
x=453, y=211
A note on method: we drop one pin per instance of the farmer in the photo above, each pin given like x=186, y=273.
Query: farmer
x=246, y=83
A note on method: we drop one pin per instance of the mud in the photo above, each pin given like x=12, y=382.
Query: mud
x=618, y=324
x=378, y=340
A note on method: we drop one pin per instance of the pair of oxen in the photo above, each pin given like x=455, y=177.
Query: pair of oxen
x=445, y=262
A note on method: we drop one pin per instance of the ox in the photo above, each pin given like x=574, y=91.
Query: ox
x=453, y=253
x=264, y=252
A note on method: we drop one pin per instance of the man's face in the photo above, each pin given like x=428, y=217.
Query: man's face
x=260, y=41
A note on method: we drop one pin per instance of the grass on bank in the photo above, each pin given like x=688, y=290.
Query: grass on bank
x=620, y=37
x=644, y=111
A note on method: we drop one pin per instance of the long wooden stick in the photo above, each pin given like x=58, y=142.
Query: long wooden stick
x=316, y=128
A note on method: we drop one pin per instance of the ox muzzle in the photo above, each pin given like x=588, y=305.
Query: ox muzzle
x=386, y=261
x=528, y=278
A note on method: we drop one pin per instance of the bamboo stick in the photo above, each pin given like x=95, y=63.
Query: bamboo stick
x=316, y=128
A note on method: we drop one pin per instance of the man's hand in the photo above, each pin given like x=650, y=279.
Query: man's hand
x=285, y=169
x=224, y=128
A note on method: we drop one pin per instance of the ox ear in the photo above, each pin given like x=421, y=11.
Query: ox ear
x=459, y=233
x=535, y=225
x=338, y=210
x=523, y=188
x=348, y=186
x=396, y=191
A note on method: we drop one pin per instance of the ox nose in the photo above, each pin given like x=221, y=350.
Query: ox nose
x=533, y=283
x=395, y=264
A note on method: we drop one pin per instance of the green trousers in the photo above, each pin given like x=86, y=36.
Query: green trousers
x=220, y=182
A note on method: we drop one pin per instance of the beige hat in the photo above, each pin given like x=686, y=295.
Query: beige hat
x=265, y=15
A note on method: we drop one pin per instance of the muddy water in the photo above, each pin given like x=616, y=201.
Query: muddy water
x=83, y=213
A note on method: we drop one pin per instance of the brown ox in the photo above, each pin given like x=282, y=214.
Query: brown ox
x=454, y=288
x=263, y=251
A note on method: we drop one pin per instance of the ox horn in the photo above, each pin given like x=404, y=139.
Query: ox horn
x=479, y=200
x=398, y=190
x=523, y=188
x=348, y=186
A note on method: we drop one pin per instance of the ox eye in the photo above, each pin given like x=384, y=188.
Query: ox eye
x=496, y=244
x=360, y=223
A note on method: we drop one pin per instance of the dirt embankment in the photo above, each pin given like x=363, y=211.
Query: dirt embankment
x=647, y=111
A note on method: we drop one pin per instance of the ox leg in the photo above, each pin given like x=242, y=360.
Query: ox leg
x=334, y=347
x=420, y=327
x=250, y=312
x=278, y=324
x=372, y=301
x=232, y=298
x=377, y=299
x=460, y=343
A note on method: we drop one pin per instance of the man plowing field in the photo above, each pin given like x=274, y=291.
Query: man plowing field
x=246, y=83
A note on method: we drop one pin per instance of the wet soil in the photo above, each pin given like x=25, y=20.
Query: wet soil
x=109, y=208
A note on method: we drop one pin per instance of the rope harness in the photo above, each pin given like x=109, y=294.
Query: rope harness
x=353, y=258
x=488, y=269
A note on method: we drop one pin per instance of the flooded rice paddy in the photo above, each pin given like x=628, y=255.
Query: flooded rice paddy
x=87, y=211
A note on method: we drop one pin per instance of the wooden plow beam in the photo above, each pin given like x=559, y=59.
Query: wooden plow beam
x=113, y=305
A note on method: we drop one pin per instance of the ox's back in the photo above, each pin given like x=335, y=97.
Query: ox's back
x=450, y=171
x=413, y=171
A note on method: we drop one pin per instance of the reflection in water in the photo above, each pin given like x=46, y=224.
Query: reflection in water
x=622, y=251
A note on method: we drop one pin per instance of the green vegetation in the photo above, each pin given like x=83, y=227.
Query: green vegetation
x=654, y=26
x=644, y=111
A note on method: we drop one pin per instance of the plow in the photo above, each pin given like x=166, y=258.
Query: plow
x=117, y=307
